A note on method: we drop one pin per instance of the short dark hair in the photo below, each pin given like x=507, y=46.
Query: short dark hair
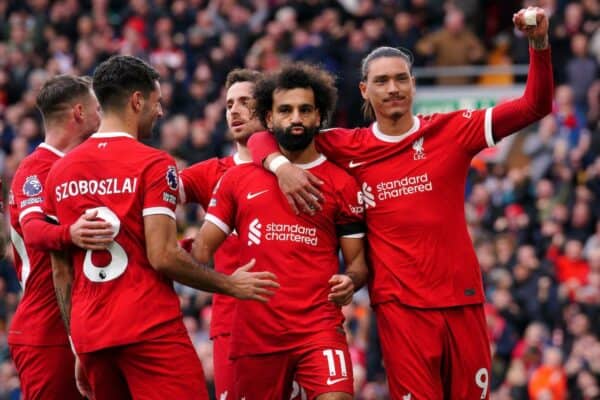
x=118, y=77
x=60, y=93
x=293, y=76
x=380, y=52
x=241, y=75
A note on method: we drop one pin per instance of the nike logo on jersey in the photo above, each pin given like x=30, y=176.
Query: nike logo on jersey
x=251, y=195
x=334, y=381
x=353, y=164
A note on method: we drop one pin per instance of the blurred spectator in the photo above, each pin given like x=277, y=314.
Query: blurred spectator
x=453, y=45
x=581, y=71
x=549, y=381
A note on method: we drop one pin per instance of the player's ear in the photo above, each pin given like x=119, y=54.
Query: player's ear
x=269, y=120
x=78, y=112
x=137, y=101
x=363, y=89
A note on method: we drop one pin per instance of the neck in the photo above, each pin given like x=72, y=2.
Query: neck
x=395, y=126
x=112, y=122
x=243, y=152
x=62, y=138
x=305, y=156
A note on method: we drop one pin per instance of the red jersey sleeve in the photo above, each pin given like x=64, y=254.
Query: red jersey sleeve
x=339, y=144
x=41, y=234
x=28, y=197
x=349, y=219
x=49, y=204
x=222, y=208
x=197, y=182
x=477, y=129
x=536, y=102
x=161, y=187
x=261, y=144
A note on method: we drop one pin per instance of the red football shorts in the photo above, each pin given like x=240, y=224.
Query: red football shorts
x=46, y=372
x=162, y=368
x=223, y=366
x=435, y=353
x=318, y=367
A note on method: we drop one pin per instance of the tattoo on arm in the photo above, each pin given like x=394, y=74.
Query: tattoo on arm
x=539, y=43
x=63, y=297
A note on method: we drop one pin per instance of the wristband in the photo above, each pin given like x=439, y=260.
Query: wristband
x=277, y=162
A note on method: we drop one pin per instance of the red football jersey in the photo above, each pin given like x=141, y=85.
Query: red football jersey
x=117, y=298
x=197, y=185
x=302, y=250
x=37, y=321
x=413, y=190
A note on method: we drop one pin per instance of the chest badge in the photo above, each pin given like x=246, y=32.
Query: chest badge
x=419, y=149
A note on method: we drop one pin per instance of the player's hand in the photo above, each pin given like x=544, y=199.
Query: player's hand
x=247, y=285
x=539, y=31
x=91, y=233
x=301, y=188
x=342, y=289
x=81, y=380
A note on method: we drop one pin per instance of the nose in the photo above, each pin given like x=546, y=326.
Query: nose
x=392, y=86
x=160, y=112
x=296, y=117
x=235, y=108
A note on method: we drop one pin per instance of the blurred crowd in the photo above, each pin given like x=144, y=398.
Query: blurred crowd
x=535, y=220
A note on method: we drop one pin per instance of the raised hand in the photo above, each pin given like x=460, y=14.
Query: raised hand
x=538, y=33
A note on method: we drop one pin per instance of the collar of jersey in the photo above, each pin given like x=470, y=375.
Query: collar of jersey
x=104, y=135
x=238, y=161
x=52, y=149
x=392, y=138
x=320, y=160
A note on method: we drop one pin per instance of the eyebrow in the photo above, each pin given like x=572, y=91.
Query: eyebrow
x=399, y=75
x=239, y=98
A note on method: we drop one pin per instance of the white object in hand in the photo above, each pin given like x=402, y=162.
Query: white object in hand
x=530, y=18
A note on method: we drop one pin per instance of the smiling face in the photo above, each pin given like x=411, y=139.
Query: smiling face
x=389, y=88
x=241, y=119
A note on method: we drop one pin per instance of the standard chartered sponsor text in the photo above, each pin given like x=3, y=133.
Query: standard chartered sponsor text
x=101, y=187
x=404, y=186
x=293, y=233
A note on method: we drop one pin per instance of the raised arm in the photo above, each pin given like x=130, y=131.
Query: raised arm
x=536, y=101
x=167, y=257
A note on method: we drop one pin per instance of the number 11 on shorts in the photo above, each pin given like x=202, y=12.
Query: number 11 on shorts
x=329, y=354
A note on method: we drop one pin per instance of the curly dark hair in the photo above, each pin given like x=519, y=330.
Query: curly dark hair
x=118, y=77
x=61, y=92
x=241, y=75
x=293, y=76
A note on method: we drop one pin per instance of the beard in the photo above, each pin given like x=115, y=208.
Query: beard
x=292, y=142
